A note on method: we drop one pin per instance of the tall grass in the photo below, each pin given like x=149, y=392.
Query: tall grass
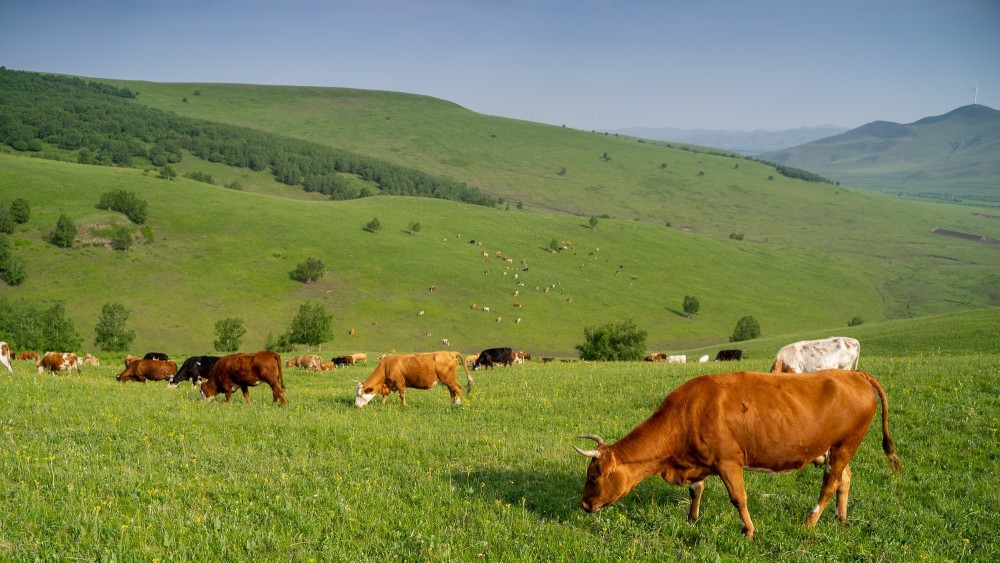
x=93, y=469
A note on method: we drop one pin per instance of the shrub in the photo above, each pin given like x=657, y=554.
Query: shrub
x=14, y=273
x=691, y=304
x=229, y=333
x=613, y=342
x=373, y=226
x=64, y=232
x=6, y=220
x=122, y=239
x=735, y=236
x=747, y=328
x=111, y=333
x=309, y=271
x=125, y=202
x=414, y=227
x=20, y=210
x=856, y=321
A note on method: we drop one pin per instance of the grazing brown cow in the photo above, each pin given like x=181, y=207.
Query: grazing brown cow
x=420, y=371
x=324, y=366
x=305, y=361
x=58, y=361
x=5, y=355
x=657, y=357
x=141, y=370
x=244, y=371
x=28, y=355
x=719, y=424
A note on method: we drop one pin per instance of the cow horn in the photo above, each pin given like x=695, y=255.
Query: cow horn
x=591, y=453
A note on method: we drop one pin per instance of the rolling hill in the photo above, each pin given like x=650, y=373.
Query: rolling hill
x=951, y=157
x=811, y=255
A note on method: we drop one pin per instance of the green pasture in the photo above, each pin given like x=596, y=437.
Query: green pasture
x=218, y=253
x=96, y=470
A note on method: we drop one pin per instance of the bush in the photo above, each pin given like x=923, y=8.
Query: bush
x=14, y=273
x=282, y=345
x=20, y=210
x=309, y=271
x=691, y=304
x=856, y=321
x=229, y=333
x=613, y=342
x=373, y=226
x=126, y=202
x=747, y=328
x=111, y=333
x=414, y=227
x=64, y=232
x=122, y=239
x=6, y=220
x=735, y=236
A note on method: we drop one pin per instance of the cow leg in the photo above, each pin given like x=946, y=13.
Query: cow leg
x=696, y=489
x=837, y=460
x=456, y=392
x=246, y=393
x=278, y=393
x=843, y=491
x=402, y=394
x=732, y=476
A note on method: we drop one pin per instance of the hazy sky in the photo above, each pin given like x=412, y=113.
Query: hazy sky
x=712, y=64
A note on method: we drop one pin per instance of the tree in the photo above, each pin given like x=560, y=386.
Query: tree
x=309, y=271
x=747, y=328
x=20, y=210
x=14, y=273
x=64, y=232
x=58, y=332
x=126, y=202
x=554, y=245
x=312, y=326
x=229, y=333
x=110, y=330
x=122, y=239
x=167, y=172
x=593, y=223
x=613, y=342
x=373, y=226
x=691, y=304
x=6, y=220
x=281, y=345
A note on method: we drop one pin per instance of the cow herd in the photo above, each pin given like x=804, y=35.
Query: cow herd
x=714, y=424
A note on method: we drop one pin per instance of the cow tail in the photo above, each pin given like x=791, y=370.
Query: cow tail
x=461, y=361
x=887, y=446
x=281, y=375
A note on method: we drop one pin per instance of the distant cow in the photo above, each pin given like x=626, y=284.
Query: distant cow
x=155, y=370
x=360, y=357
x=195, y=369
x=342, y=360
x=305, y=361
x=657, y=357
x=325, y=366
x=419, y=371
x=58, y=361
x=90, y=360
x=836, y=352
x=729, y=355
x=243, y=371
x=678, y=359
x=130, y=358
x=156, y=356
x=491, y=357
x=5, y=355
x=721, y=424
x=471, y=359
x=28, y=355
x=703, y=359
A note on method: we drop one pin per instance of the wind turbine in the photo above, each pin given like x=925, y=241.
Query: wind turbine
x=975, y=98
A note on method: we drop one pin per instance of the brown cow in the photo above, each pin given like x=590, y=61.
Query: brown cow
x=91, y=360
x=719, y=424
x=244, y=371
x=420, y=371
x=58, y=361
x=305, y=361
x=28, y=355
x=324, y=366
x=130, y=358
x=141, y=370
x=360, y=357
x=657, y=357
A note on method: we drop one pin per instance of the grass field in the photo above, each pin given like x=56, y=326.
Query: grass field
x=93, y=469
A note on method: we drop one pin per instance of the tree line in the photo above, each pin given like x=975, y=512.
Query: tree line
x=103, y=125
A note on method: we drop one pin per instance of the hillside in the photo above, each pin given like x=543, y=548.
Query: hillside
x=813, y=255
x=750, y=143
x=951, y=157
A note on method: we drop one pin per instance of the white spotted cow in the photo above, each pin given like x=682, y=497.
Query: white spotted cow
x=836, y=352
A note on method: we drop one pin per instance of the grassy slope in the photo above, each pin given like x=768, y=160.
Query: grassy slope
x=815, y=255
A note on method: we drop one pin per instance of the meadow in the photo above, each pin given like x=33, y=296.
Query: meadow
x=93, y=469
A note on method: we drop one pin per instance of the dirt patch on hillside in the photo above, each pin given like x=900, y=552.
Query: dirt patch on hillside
x=965, y=236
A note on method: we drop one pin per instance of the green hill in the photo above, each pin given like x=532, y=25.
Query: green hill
x=812, y=256
x=954, y=157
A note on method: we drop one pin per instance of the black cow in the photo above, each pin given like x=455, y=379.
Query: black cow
x=342, y=360
x=155, y=356
x=493, y=356
x=729, y=355
x=195, y=368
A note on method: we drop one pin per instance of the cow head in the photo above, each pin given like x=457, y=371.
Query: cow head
x=606, y=481
x=208, y=390
x=363, y=395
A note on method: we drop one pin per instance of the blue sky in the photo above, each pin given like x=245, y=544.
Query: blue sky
x=712, y=64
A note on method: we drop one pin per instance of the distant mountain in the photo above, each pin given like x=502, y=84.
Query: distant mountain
x=744, y=142
x=954, y=156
